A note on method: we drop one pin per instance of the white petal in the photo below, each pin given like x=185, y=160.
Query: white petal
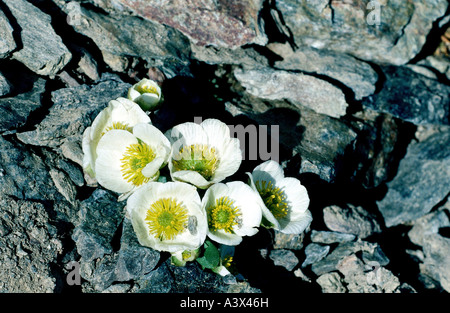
x=267, y=169
x=224, y=238
x=133, y=93
x=153, y=137
x=296, y=194
x=265, y=211
x=218, y=132
x=230, y=160
x=110, y=150
x=128, y=112
x=152, y=168
x=147, y=101
x=191, y=177
x=188, y=133
x=299, y=224
x=89, y=154
x=247, y=200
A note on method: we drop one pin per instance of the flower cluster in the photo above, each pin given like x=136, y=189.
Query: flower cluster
x=125, y=153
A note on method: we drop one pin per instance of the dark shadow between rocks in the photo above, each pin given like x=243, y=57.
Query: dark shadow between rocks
x=262, y=273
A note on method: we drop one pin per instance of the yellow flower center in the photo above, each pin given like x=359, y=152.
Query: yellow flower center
x=135, y=158
x=199, y=158
x=274, y=198
x=147, y=88
x=118, y=125
x=223, y=215
x=166, y=219
x=227, y=261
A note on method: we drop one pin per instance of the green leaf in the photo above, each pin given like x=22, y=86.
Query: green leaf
x=211, y=256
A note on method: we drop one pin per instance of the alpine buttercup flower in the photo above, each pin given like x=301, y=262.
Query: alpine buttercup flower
x=233, y=210
x=119, y=114
x=127, y=160
x=285, y=199
x=168, y=216
x=146, y=93
x=203, y=154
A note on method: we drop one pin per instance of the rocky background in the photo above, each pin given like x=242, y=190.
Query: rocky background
x=363, y=112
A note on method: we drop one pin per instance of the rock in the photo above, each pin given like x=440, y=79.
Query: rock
x=413, y=193
x=436, y=248
x=383, y=32
x=379, y=147
x=412, y=97
x=288, y=241
x=437, y=261
x=284, y=258
x=99, y=218
x=360, y=278
x=297, y=88
x=331, y=283
x=314, y=253
x=330, y=262
x=5, y=85
x=7, y=42
x=352, y=73
x=134, y=260
x=29, y=245
x=23, y=174
x=15, y=111
x=72, y=111
x=322, y=142
x=437, y=63
x=41, y=50
x=217, y=23
x=188, y=279
x=124, y=38
x=329, y=237
x=351, y=220
x=247, y=56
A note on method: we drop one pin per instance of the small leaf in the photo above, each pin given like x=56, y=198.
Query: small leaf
x=211, y=256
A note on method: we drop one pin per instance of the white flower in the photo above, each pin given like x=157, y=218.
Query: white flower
x=168, y=216
x=119, y=114
x=126, y=161
x=146, y=93
x=233, y=210
x=285, y=200
x=180, y=258
x=203, y=154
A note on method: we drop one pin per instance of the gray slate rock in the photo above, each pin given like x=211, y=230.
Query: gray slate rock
x=5, y=85
x=29, y=244
x=314, y=253
x=99, y=218
x=329, y=237
x=14, y=111
x=284, y=258
x=72, y=111
x=7, y=42
x=422, y=181
x=42, y=49
x=356, y=75
x=331, y=261
x=134, y=260
x=349, y=26
x=436, y=248
x=412, y=97
x=299, y=89
x=351, y=220
x=23, y=174
x=124, y=38
x=321, y=141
